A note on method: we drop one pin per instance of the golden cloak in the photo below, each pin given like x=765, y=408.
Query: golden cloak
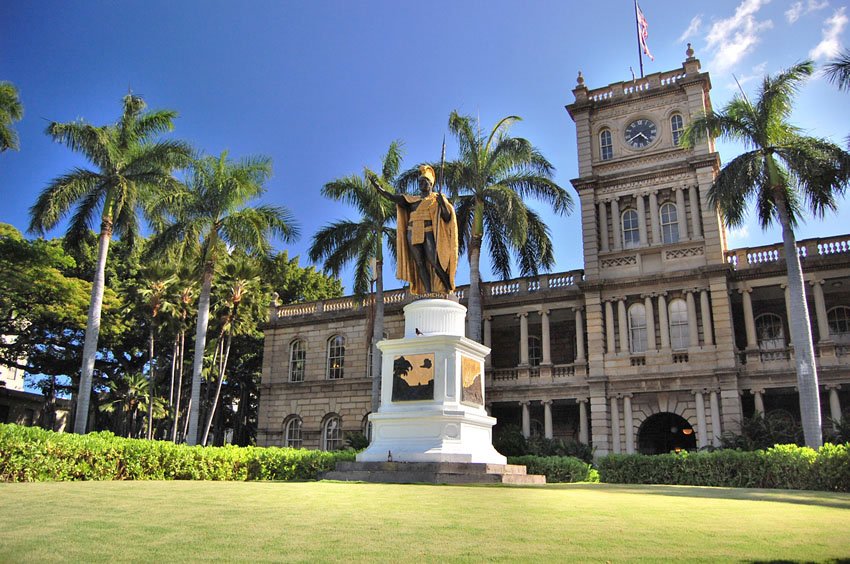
x=445, y=235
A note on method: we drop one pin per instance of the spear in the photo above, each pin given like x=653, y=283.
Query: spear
x=442, y=166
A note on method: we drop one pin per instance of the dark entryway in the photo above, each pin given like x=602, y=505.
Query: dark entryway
x=665, y=432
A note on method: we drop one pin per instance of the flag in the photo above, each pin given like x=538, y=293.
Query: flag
x=643, y=32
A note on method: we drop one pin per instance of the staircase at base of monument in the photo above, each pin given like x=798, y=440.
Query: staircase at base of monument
x=432, y=473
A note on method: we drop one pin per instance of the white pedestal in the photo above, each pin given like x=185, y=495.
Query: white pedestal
x=441, y=420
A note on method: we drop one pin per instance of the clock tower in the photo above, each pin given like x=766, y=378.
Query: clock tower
x=655, y=289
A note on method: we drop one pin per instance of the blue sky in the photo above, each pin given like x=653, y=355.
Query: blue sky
x=324, y=87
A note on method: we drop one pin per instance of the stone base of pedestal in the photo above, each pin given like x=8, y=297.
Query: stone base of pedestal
x=432, y=473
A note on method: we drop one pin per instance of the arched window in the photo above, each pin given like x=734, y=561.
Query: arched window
x=677, y=126
x=297, y=360
x=366, y=427
x=535, y=351
x=677, y=315
x=631, y=232
x=637, y=328
x=669, y=223
x=606, y=149
x=336, y=357
x=838, y=319
x=332, y=433
x=770, y=332
x=292, y=432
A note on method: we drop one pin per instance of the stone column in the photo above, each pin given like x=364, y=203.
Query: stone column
x=547, y=418
x=583, y=436
x=609, y=327
x=716, y=431
x=641, y=211
x=630, y=433
x=681, y=216
x=834, y=406
x=488, y=339
x=615, y=224
x=615, y=425
x=702, y=430
x=653, y=218
x=523, y=338
x=693, y=331
x=705, y=309
x=579, y=334
x=650, y=323
x=749, y=320
x=663, y=322
x=758, y=399
x=603, y=226
x=526, y=420
x=544, y=334
x=623, y=325
x=696, y=225
x=820, y=310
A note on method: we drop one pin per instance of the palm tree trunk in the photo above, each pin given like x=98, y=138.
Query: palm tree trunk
x=93, y=325
x=174, y=424
x=200, y=345
x=151, y=383
x=801, y=335
x=221, y=369
x=173, y=372
x=473, y=303
x=377, y=333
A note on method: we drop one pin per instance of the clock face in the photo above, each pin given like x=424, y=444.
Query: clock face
x=640, y=133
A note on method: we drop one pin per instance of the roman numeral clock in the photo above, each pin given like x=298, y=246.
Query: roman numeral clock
x=640, y=133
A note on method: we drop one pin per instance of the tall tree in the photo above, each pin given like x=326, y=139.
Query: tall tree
x=128, y=165
x=784, y=171
x=489, y=182
x=10, y=110
x=362, y=242
x=206, y=217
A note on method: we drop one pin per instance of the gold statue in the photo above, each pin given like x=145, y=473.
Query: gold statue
x=426, y=237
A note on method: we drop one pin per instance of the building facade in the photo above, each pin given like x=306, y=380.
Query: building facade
x=664, y=340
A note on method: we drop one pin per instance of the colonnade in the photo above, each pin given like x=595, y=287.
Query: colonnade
x=545, y=336
x=622, y=327
x=583, y=422
x=655, y=225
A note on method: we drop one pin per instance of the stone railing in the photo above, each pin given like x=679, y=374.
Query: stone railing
x=753, y=257
x=512, y=288
x=649, y=82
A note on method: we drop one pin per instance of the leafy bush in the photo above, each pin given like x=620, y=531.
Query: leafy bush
x=510, y=441
x=30, y=454
x=762, y=431
x=557, y=468
x=781, y=466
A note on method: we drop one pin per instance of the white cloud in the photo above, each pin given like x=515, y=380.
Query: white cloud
x=732, y=38
x=796, y=10
x=755, y=73
x=793, y=13
x=693, y=28
x=830, y=45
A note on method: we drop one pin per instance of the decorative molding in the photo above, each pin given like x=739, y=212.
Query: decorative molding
x=630, y=260
x=689, y=252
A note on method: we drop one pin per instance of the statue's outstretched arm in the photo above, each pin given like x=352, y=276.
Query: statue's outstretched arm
x=397, y=198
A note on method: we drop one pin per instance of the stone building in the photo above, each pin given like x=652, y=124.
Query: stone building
x=664, y=340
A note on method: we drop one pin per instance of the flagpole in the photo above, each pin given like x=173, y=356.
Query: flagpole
x=637, y=31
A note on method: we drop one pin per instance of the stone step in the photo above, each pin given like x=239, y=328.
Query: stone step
x=431, y=473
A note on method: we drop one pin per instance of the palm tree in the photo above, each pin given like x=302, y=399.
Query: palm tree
x=10, y=110
x=153, y=290
x=242, y=281
x=129, y=166
x=206, y=217
x=783, y=171
x=363, y=242
x=838, y=70
x=488, y=184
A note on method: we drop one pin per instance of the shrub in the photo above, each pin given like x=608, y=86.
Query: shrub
x=510, y=441
x=30, y=454
x=557, y=468
x=762, y=431
x=781, y=466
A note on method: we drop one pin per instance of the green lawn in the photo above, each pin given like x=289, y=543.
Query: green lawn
x=262, y=521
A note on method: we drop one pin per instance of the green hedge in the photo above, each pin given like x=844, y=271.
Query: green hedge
x=31, y=454
x=557, y=468
x=782, y=466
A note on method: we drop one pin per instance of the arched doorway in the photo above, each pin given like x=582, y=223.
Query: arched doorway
x=665, y=432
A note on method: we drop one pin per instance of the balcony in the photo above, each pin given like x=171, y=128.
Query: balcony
x=755, y=257
x=536, y=375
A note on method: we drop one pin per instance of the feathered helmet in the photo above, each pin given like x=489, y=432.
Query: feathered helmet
x=428, y=172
